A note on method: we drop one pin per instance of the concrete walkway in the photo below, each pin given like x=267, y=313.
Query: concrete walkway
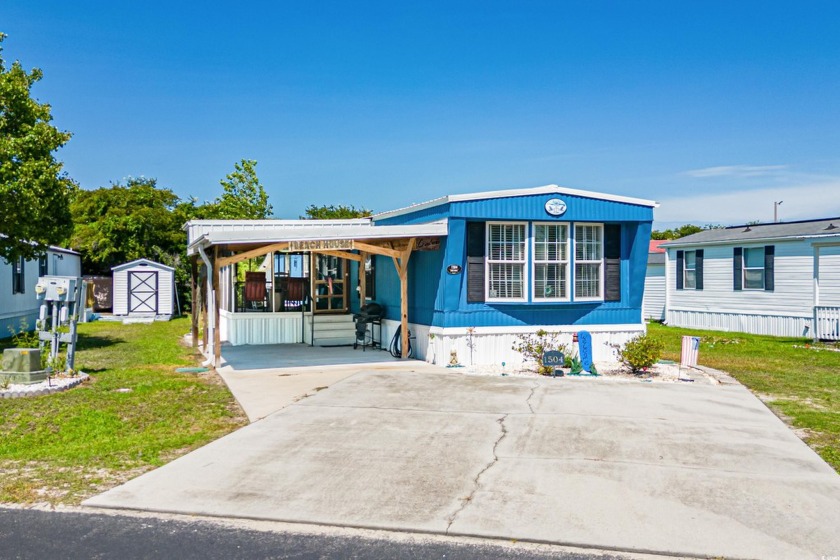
x=664, y=468
x=264, y=379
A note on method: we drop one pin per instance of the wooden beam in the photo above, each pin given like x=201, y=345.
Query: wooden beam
x=339, y=254
x=376, y=249
x=217, y=332
x=251, y=253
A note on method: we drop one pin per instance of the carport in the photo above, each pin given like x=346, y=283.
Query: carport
x=216, y=246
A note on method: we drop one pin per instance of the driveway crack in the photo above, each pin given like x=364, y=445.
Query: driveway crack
x=534, y=388
x=476, y=481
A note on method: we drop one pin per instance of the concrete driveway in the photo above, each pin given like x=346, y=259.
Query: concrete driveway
x=663, y=468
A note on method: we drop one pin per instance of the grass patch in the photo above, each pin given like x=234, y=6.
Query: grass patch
x=135, y=413
x=798, y=380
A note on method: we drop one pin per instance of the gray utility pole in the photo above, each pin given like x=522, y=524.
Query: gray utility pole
x=776, y=210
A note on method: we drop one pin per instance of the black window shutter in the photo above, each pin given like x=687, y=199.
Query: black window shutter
x=475, y=261
x=680, y=269
x=698, y=269
x=612, y=262
x=769, y=267
x=737, y=268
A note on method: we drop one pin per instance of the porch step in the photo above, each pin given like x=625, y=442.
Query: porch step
x=333, y=330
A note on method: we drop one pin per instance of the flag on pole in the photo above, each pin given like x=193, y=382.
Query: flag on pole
x=690, y=349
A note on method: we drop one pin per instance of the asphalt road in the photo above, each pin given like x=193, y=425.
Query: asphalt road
x=38, y=534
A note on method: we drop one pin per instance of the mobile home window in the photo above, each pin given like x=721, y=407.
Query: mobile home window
x=589, y=253
x=18, y=281
x=754, y=268
x=506, y=259
x=551, y=261
x=690, y=270
x=42, y=266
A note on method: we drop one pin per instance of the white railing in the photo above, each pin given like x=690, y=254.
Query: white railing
x=826, y=323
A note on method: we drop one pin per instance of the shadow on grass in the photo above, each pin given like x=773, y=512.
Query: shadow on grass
x=93, y=342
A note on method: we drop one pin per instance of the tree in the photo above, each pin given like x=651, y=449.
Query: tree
x=243, y=197
x=682, y=231
x=332, y=212
x=122, y=223
x=34, y=192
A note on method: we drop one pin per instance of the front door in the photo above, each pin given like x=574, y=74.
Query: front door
x=330, y=284
x=142, y=292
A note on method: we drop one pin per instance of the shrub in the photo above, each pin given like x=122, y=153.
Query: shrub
x=23, y=337
x=641, y=352
x=532, y=346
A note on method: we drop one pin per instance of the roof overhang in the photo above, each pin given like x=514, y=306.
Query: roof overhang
x=237, y=240
x=547, y=189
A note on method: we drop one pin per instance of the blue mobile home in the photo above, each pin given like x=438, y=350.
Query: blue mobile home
x=481, y=270
x=516, y=261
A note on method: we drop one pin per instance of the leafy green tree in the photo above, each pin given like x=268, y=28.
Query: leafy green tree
x=122, y=223
x=682, y=231
x=35, y=193
x=243, y=196
x=333, y=212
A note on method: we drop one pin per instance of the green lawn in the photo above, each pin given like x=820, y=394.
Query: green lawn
x=802, y=385
x=134, y=414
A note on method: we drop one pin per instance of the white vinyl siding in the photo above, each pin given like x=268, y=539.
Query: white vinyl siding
x=507, y=255
x=785, y=311
x=551, y=262
x=14, y=307
x=654, y=300
x=589, y=262
x=829, y=276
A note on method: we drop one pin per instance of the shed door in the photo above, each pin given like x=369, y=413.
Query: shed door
x=143, y=292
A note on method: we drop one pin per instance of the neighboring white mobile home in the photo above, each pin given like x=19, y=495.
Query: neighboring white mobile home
x=18, y=304
x=779, y=279
x=144, y=289
x=654, y=300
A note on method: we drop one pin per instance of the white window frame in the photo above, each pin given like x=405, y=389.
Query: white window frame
x=599, y=262
x=489, y=261
x=744, y=268
x=564, y=263
x=686, y=270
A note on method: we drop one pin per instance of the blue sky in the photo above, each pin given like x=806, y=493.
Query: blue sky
x=714, y=109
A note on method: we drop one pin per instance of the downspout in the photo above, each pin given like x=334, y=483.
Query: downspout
x=211, y=312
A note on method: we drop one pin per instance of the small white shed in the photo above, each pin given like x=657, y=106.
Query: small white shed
x=144, y=289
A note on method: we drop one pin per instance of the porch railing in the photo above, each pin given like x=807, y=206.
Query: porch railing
x=826, y=323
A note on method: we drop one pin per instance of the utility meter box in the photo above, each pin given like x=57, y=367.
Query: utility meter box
x=56, y=288
x=24, y=360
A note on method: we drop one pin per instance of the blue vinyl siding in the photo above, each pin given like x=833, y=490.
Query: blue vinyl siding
x=440, y=299
x=423, y=286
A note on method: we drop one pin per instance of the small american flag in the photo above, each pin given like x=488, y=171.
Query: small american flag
x=690, y=348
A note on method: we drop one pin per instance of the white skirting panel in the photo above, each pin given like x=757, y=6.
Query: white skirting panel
x=494, y=345
x=260, y=328
x=774, y=325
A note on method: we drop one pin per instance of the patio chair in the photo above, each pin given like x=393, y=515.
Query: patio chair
x=255, y=292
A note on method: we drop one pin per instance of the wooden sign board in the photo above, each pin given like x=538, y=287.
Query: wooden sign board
x=322, y=245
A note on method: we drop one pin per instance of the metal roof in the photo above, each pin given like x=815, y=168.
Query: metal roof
x=824, y=227
x=656, y=258
x=547, y=189
x=142, y=262
x=229, y=232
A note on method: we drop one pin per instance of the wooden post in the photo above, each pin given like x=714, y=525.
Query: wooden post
x=217, y=335
x=194, y=305
x=402, y=269
x=362, y=280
